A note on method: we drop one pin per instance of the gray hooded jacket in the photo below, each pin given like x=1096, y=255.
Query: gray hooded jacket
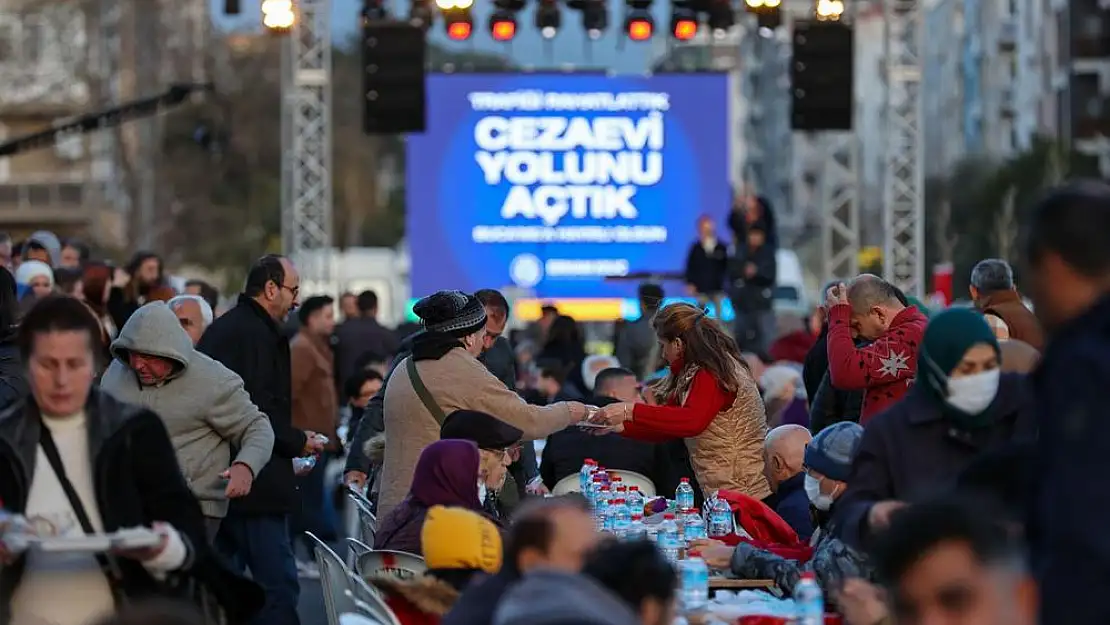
x=203, y=404
x=556, y=598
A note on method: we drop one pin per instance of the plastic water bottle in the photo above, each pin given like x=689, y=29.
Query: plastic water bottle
x=693, y=576
x=635, y=499
x=601, y=508
x=585, y=474
x=637, y=530
x=595, y=489
x=622, y=519
x=668, y=540
x=694, y=526
x=304, y=465
x=809, y=601
x=684, y=495
x=720, y=517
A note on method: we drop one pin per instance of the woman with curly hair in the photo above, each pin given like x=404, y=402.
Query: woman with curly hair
x=709, y=397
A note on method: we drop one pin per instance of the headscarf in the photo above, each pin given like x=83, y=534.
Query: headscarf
x=447, y=475
x=31, y=269
x=947, y=338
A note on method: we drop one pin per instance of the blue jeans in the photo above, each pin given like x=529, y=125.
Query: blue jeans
x=261, y=544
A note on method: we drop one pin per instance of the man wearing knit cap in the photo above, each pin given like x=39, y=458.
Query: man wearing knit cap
x=443, y=375
x=828, y=460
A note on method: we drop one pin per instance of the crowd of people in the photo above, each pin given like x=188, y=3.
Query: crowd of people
x=928, y=467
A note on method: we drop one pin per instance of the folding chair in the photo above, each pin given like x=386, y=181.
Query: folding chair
x=371, y=602
x=396, y=563
x=567, y=485
x=368, y=523
x=336, y=581
x=355, y=548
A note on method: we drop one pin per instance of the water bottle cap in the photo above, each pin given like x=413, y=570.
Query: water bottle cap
x=622, y=488
x=809, y=575
x=637, y=516
x=685, y=480
x=597, y=477
x=635, y=488
x=591, y=461
x=668, y=516
x=617, y=478
x=604, y=488
x=618, y=500
x=694, y=553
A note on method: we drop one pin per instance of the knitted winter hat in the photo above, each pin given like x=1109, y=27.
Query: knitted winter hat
x=451, y=312
x=830, y=453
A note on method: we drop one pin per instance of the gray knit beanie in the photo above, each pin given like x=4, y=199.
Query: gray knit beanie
x=451, y=312
x=832, y=450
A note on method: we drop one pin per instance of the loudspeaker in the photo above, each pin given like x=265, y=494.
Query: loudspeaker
x=393, y=63
x=821, y=76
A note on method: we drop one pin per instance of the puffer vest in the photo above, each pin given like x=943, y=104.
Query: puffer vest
x=729, y=453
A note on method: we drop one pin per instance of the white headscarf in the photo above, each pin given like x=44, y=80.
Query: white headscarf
x=31, y=269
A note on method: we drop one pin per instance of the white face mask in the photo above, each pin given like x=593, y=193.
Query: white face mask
x=820, y=500
x=482, y=491
x=973, y=394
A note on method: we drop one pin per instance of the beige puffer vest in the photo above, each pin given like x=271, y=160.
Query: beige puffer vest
x=729, y=453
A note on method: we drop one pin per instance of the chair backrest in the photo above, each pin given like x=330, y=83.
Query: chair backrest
x=567, y=485
x=632, y=478
x=336, y=581
x=396, y=563
x=368, y=523
x=371, y=602
x=357, y=548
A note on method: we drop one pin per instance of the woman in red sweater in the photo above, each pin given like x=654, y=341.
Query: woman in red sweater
x=709, y=398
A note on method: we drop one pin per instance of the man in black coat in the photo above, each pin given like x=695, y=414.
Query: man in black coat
x=360, y=335
x=248, y=339
x=76, y=461
x=1069, y=253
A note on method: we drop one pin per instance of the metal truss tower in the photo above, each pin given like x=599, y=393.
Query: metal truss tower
x=904, y=174
x=306, y=140
x=838, y=183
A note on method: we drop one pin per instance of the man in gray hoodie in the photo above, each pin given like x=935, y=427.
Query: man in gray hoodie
x=203, y=404
x=551, y=597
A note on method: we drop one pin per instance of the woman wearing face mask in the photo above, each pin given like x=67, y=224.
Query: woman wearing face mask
x=828, y=463
x=961, y=406
x=446, y=475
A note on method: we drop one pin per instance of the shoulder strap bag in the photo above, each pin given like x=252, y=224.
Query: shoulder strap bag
x=422, y=392
x=108, y=563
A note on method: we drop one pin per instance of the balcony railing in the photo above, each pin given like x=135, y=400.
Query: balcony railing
x=48, y=201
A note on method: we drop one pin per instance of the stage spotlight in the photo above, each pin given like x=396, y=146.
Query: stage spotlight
x=720, y=17
x=420, y=14
x=684, y=20
x=502, y=26
x=278, y=16
x=639, y=26
x=595, y=17
x=548, y=18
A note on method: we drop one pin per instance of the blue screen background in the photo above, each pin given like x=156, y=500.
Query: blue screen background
x=447, y=194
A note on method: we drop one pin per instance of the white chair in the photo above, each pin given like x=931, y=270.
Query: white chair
x=395, y=563
x=567, y=485
x=368, y=523
x=632, y=478
x=336, y=581
x=356, y=548
x=370, y=601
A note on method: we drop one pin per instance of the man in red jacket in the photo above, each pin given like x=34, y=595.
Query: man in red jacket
x=884, y=369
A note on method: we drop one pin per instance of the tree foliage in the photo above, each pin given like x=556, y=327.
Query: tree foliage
x=977, y=211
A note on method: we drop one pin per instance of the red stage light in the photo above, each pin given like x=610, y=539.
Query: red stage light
x=639, y=30
x=459, y=31
x=685, y=30
x=503, y=30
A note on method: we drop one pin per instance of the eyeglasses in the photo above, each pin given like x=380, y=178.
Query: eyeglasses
x=513, y=452
x=293, y=290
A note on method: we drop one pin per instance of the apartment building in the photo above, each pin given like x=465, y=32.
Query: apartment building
x=1082, y=80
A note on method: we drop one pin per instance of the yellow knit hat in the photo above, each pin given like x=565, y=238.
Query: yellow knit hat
x=456, y=538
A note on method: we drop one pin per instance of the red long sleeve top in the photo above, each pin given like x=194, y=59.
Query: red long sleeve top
x=656, y=424
x=885, y=369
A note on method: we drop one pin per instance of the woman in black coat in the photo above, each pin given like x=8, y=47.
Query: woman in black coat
x=13, y=384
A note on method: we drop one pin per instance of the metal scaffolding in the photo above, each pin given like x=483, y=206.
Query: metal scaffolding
x=306, y=203
x=904, y=175
x=838, y=183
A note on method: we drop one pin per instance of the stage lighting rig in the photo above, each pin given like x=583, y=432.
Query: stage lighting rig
x=768, y=13
x=457, y=18
x=829, y=10
x=684, y=20
x=638, y=23
x=719, y=16
x=548, y=18
x=595, y=16
x=420, y=14
x=502, y=23
x=278, y=16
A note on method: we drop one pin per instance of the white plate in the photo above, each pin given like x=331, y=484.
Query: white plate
x=139, y=538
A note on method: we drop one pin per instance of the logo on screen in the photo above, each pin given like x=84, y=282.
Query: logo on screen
x=526, y=271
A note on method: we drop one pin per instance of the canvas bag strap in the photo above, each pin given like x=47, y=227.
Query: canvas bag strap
x=423, y=393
